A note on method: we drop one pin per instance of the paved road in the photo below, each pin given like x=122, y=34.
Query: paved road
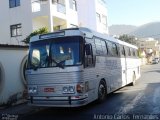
x=139, y=102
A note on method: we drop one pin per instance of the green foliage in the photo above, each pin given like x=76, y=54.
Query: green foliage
x=36, y=32
x=128, y=39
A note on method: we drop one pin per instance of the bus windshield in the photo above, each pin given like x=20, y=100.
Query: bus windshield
x=55, y=52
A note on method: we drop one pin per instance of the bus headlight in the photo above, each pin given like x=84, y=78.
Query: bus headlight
x=71, y=89
x=32, y=90
x=68, y=89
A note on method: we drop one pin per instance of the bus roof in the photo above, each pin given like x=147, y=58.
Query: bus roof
x=82, y=31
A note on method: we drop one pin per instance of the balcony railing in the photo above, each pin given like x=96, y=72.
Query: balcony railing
x=38, y=4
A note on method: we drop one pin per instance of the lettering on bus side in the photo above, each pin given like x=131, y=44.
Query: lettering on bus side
x=111, y=64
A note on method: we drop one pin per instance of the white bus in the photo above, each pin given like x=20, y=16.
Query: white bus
x=73, y=67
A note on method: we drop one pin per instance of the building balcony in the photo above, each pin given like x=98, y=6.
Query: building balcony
x=43, y=8
x=53, y=14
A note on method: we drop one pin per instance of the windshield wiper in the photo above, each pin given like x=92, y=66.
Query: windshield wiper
x=35, y=67
x=58, y=64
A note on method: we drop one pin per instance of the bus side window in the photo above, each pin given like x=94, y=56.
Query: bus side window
x=115, y=49
x=122, y=51
x=128, y=51
x=134, y=53
x=131, y=52
x=105, y=51
x=137, y=53
x=101, y=48
x=112, y=49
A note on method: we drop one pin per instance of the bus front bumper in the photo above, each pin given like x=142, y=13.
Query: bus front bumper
x=58, y=101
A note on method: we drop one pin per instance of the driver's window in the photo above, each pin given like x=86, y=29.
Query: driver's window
x=88, y=57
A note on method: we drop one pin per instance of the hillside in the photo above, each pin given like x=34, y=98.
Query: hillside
x=121, y=29
x=146, y=30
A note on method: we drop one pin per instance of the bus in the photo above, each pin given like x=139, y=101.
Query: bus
x=75, y=66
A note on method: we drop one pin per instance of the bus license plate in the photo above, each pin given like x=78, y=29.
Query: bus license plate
x=48, y=89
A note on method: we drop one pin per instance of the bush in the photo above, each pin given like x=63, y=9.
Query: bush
x=36, y=32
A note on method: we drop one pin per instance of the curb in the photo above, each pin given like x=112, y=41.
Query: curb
x=19, y=102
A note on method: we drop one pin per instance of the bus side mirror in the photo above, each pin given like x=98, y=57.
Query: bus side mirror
x=88, y=49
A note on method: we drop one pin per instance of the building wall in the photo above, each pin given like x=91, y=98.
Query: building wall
x=71, y=15
x=16, y=15
x=101, y=8
x=87, y=10
x=87, y=13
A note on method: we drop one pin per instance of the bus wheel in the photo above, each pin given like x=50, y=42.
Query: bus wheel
x=102, y=91
x=134, y=80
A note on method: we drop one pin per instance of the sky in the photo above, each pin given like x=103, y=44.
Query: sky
x=133, y=12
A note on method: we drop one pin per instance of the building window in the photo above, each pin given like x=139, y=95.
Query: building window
x=36, y=6
x=16, y=30
x=14, y=3
x=98, y=17
x=73, y=5
x=104, y=19
x=62, y=2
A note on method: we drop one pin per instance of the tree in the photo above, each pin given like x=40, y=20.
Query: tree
x=128, y=39
x=42, y=30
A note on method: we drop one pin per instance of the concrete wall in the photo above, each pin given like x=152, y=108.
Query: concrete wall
x=11, y=82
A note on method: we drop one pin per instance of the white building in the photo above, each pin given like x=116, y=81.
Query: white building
x=21, y=17
x=93, y=14
x=15, y=21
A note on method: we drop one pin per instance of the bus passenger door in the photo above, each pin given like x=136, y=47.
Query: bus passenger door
x=89, y=71
x=124, y=66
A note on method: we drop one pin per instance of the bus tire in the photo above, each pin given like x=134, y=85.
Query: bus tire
x=134, y=80
x=102, y=91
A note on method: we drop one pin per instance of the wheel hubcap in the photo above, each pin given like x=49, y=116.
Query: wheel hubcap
x=101, y=91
